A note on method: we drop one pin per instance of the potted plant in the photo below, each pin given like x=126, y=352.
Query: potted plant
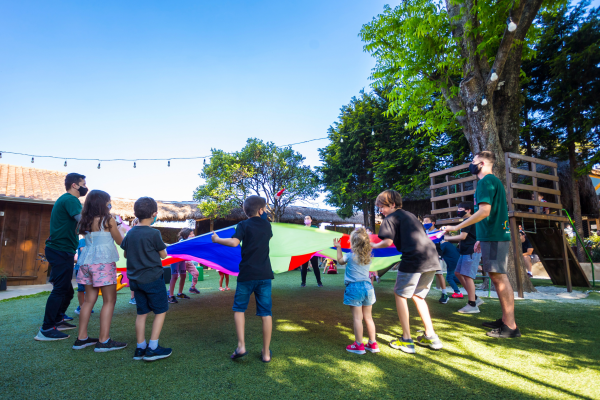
x=2, y=280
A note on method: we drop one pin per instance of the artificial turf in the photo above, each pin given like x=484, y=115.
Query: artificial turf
x=557, y=357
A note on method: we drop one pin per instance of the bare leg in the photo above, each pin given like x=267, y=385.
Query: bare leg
x=221, y=281
x=132, y=294
x=357, y=317
x=140, y=328
x=157, y=325
x=528, y=264
x=227, y=280
x=182, y=276
x=240, y=322
x=267, y=327
x=368, y=317
x=424, y=313
x=109, y=299
x=506, y=297
x=402, y=307
x=468, y=284
x=441, y=282
x=81, y=298
x=91, y=297
x=172, y=284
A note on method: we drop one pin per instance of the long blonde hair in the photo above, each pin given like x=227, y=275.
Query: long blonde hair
x=361, y=246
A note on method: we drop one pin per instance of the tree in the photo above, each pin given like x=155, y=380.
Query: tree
x=258, y=169
x=456, y=64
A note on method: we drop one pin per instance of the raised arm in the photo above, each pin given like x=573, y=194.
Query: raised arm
x=484, y=212
x=340, y=253
x=231, y=242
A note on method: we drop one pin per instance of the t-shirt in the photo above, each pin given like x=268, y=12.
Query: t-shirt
x=354, y=271
x=450, y=254
x=526, y=245
x=467, y=246
x=63, y=225
x=142, y=245
x=254, y=233
x=418, y=251
x=80, y=246
x=493, y=228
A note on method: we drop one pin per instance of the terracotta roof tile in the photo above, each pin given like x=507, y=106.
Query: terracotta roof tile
x=32, y=183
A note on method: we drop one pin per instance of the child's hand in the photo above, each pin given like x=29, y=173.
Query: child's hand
x=214, y=237
x=337, y=243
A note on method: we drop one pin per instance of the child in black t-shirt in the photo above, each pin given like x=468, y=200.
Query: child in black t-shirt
x=255, y=273
x=416, y=270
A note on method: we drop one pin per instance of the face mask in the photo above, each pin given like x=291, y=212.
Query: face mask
x=474, y=168
x=461, y=213
x=427, y=226
x=307, y=222
x=153, y=221
x=82, y=190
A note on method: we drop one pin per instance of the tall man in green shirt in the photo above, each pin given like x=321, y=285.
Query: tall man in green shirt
x=493, y=240
x=60, y=251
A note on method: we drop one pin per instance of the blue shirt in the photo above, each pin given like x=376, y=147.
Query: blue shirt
x=354, y=271
x=80, y=246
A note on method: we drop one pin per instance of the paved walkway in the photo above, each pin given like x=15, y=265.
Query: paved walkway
x=25, y=290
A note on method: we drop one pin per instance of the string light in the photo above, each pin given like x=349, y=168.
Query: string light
x=341, y=140
x=372, y=132
x=0, y=154
x=475, y=109
x=406, y=124
x=483, y=101
x=32, y=160
x=169, y=163
x=98, y=165
x=494, y=76
x=511, y=25
x=205, y=161
x=134, y=166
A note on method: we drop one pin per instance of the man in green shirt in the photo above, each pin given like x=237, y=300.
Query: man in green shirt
x=493, y=240
x=60, y=250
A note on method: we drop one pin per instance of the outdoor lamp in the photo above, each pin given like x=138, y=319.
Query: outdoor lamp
x=475, y=109
x=494, y=76
x=483, y=101
x=511, y=25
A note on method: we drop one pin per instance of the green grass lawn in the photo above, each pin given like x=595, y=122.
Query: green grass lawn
x=557, y=357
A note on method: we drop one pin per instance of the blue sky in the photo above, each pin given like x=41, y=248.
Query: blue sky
x=157, y=79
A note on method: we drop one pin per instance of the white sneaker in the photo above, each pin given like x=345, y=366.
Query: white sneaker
x=479, y=302
x=469, y=309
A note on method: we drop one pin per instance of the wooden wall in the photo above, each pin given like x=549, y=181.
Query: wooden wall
x=24, y=229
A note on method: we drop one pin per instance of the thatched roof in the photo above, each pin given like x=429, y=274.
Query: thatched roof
x=185, y=210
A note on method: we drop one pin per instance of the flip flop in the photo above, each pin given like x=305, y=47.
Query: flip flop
x=237, y=355
x=263, y=360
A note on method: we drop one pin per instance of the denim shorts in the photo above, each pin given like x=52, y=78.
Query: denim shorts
x=262, y=294
x=358, y=294
x=150, y=296
x=413, y=284
x=178, y=268
x=468, y=264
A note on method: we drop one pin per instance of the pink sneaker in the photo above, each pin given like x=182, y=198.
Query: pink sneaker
x=372, y=347
x=457, y=295
x=356, y=348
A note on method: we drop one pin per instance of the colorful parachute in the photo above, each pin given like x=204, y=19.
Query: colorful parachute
x=291, y=246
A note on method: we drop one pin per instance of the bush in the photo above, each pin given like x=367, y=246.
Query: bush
x=592, y=245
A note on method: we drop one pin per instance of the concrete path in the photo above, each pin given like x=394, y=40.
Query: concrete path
x=25, y=290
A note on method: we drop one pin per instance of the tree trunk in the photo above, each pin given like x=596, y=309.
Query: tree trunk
x=576, y=201
x=212, y=225
x=372, y=210
x=365, y=211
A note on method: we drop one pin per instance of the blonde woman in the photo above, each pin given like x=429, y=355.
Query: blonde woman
x=359, y=293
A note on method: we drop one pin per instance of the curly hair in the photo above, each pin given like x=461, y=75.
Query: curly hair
x=94, y=206
x=184, y=233
x=361, y=246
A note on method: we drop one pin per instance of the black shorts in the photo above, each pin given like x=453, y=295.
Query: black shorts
x=150, y=296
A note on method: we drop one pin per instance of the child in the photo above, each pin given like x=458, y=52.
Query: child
x=415, y=271
x=359, y=293
x=226, y=276
x=437, y=236
x=255, y=273
x=144, y=249
x=132, y=299
x=181, y=269
x=80, y=287
x=98, y=270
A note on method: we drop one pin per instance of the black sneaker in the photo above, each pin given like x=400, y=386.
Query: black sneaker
x=172, y=300
x=320, y=285
x=50, y=335
x=139, y=354
x=444, y=298
x=82, y=344
x=157, y=354
x=109, y=346
x=183, y=296
x=302, y=284
x=494, y=324
x=65, y=326
x=504, y=332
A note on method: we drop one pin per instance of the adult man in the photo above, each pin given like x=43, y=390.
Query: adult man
x=60, y=250
x=527, y=252
x=314, y=261
x=493, y=240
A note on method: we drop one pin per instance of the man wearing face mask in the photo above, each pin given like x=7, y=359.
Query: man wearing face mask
x=493, y=240
x=60, y=251
x=313, y=261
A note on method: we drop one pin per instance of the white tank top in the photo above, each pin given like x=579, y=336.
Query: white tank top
x=99, y=248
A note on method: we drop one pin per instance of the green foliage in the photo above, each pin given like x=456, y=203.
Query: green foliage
x=260, y=169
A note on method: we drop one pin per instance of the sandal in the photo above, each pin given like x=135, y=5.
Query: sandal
x=237, y=355
x=263, y=360
x=221, y=289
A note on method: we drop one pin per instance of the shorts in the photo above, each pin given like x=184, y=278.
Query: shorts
x=413, y=284
x=358, y=294
x=443, y=269
x=468, y=264
x=178, y=268
x=262, y=294
x=150, y=296
x=98, y=275
x=494, y=257
x=80, y=287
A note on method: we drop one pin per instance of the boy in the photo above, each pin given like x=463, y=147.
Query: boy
x=436, y=237
x=527, y=252
x=544, y=210
x=143, y=248
x=255, y=273
x=468, y=262
x=416, y=270
x=493, y=240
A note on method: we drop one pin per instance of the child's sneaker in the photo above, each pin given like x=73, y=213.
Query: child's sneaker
x=157, y=354
x=479, y=302
x=183, y=296
x=444, y=298
x=356, y=348
x=109, y=346
x=406, y=345
x=457, y=295
x=194, y=290
x=139, y=354
x=132, y=301
x=469, y=309
x=372, y=347
x=172, y=300
x=432, y=342
x=82, y=344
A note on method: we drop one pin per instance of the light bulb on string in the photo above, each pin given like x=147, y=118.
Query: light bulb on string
x=134, y=165
x=494, y=76
x=406, y=124
x=32, y=160
x=65, y=163
x=98, y=165
x=341, y=140
x=483, y=101
x=0, y=154
x=372, y=132
x=205, y=161
x=169, y=163
x=475, y=109
x=511, y=25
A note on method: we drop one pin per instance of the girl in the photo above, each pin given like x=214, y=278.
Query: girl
x=186, y=234
x=226, y=276
x=98, y=269
x=359, y=293
x=180, y=270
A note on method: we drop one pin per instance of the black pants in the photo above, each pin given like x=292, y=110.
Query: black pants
x=62, y=293
x=315, y=266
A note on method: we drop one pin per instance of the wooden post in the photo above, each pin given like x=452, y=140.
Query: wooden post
x=566, y=259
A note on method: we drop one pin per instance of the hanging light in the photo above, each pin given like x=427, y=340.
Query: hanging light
x=483, y=101
x=406, y=124
x=134, y=165
x=342, y=140
x=511, y=25
x=372, y=132
x=494, y=76
x=65, y=163
x=205, y=161
x=98, y=165
x=475, y=109
x=0, y=154
x=169, y=163
x=32, y=160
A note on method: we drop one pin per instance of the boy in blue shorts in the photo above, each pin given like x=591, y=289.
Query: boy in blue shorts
x=143, y=248
x=255, y=273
